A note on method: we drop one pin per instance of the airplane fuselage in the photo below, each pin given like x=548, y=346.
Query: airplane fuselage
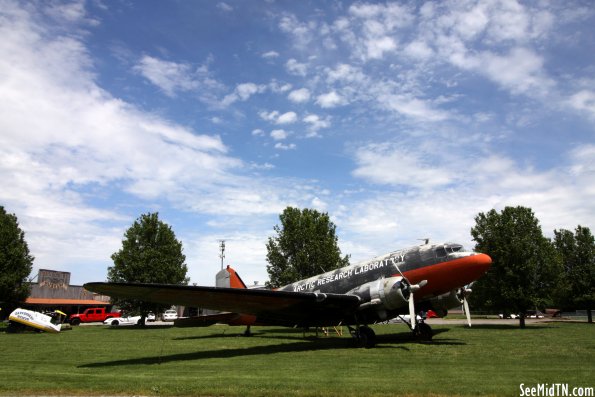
x=444, y=267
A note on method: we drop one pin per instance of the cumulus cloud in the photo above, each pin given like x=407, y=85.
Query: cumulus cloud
x=270, y=55
x=243, y=92
x=296, y=68
x=287, y=118
x=279, y=134
x=276, y=117
x=330, y=100
x=316, y=123
x=283, y=146
x=583, y=101
x=300, y=95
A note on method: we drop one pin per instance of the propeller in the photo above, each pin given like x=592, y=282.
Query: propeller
x=463, y=293
x=412, y=288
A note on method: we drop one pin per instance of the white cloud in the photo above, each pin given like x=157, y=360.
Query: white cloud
x=520, y=71
x=319, y=204
x=224, y=7
x=302, y=33
x=330, y=100
x=287, y=118
x=257, y=132
x=377, y=47
x=242, y=92
x=66, y=140
x=377, y=27
x=440, y=201
x=316, y=123
x=172, y=77
x=270, y=55
x=419, y=50
x=279, y=88
x=409, y=106
x=296, y=68
x=282, y=146
x=277, y=118
x=583, y=101
x=279, y=134
x=301, y=95
x=393, y=165
x=345, y=73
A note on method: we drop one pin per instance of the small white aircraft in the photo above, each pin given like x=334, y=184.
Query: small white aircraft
x=20, y=319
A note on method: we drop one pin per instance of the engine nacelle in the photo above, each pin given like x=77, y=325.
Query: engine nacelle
x=441, y=303
x=387, y=294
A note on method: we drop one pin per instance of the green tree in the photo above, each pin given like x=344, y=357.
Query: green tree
x=150, y=254
x=525, y=267
x=577, y=252
x=15, y=262
x=305, y=245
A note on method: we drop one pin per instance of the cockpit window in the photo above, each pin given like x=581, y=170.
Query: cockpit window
x=454, y=248
x=440, y=252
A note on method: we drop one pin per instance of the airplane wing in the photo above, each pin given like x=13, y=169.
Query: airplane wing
x=270, y=307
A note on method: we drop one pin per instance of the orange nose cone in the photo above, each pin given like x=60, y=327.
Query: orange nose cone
x=483, y=261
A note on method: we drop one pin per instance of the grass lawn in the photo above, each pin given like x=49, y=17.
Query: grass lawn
x=215, y=361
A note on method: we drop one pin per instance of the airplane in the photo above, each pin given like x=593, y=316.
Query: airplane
x=427, y=277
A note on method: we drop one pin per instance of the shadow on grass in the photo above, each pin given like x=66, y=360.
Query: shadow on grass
x=385, y=341
x=511, y=327
x=136, y=327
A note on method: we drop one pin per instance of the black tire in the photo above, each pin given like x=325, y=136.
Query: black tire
x=115, y=322
x=75, y=321
x=423, y=332
x=366, y=337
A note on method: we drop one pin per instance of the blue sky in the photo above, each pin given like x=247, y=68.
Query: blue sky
x=402, y=120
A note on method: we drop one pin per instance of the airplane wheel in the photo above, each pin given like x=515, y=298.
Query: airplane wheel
x=366, y=337
x=424, y=332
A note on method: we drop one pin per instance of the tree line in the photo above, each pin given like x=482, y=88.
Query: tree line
x=529, y=271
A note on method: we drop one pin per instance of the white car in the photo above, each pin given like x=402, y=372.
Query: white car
x=151, y=316
x=170, y=315
x=534, y=314
x=128, y=320
x=511, y=315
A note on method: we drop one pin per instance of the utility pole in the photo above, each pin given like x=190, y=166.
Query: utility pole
x=222, y=254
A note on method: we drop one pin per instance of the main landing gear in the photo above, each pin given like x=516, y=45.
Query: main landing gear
x=364, y=336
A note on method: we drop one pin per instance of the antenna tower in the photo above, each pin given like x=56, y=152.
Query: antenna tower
x=222, y=254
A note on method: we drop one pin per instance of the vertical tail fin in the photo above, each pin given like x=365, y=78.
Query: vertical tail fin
x=229, y=278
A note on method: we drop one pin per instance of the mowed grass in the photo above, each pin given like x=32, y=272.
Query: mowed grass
x=216, y=361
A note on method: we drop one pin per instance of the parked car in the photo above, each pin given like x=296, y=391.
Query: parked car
x=127, y=320
x=534, y=314
x=431, y=314
x=92, y=314
x=508, y=315
x=170, y=315
x=150, y=316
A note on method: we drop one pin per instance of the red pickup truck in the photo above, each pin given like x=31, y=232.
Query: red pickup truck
x=93, y=314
